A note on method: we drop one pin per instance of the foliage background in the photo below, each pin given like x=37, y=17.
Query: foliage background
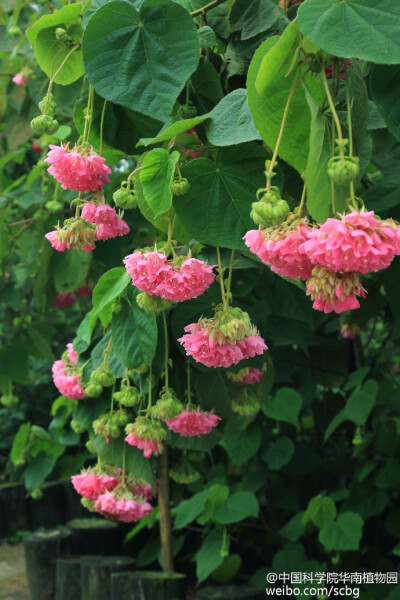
x=311, y=483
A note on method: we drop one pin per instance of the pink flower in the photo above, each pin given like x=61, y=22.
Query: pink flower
x=126, y=510
x=77, y=169
x=19, y=79
x=148, y=445
x=108, y=224
x=64, y=300
x=198, y=344
x=335, y=292
x=91, y=485
x=247, y=376
x=358, y=242
x=191, y=423
x=145, y=492
x=178, y=280
x=84, y=290
x=67, y=380
x=350, y=331
x=36, y=147
x=280, y=248
x=56, y=244
x=72, y=355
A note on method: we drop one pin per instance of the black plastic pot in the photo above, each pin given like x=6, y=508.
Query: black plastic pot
x=148, y=585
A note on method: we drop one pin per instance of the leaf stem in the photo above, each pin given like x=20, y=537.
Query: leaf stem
x=349, y=123
x=166, y=351
x=189, y=392
x=333, y=110
x=149, y=379
x=60, y=67
x=278, y=141
x=206, y=7
x=221, y=279
x=103, y=112
x=228, y=285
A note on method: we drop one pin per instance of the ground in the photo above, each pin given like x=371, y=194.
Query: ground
x=12, y=573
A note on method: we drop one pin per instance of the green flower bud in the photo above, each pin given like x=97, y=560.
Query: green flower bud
x=77, y=427
x=36, y=493
x=90, y=447
x=151, y=303
x=44, y=124
x=343, y=171
x=180, y=187
x=9, y=400
x=40, y=215
x=125, y=198
x=119, y=418
x=48, y=105
x=187, y=111
x=106, y=378
x=270, y=210
x=14, y=31
x=167, y=406
x=93, y=390
x=62, y=35
x=184, y=473
x=127, y=396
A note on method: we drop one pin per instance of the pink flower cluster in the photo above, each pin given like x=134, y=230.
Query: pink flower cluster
x=64, y=300
x=20, y=79
x=91, y=485
x=149, y=446
x=349, y=331
x=121, y=509
x=335, y=292
x=247, y=376
x=191, y=423
x=67, y=377
x=76, y=169
x=108, y=224
x=57, y=244
x=358, y=242
x=153, y=273
x=282, y=251
x=198, y=343
x=66, y=381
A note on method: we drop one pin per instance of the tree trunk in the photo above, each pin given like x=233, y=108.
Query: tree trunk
x=68, y=578
x=165, y=515
x=93, y=536
x=96, y=574
x=41, y=552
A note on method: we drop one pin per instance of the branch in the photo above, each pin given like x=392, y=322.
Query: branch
x=206, y=7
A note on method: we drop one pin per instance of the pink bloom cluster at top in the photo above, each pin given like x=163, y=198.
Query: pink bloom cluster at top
x=125, y=510
x=68, y=384
x=283, y=253
x=64, y=300
x=146, y=444
x=91, y=485
x=81, y=172
x=62, y=246
x=198, y=343
x=190, y=423
x=151, y=272
x=19, y=79
x=108, y=223
x=358, y=243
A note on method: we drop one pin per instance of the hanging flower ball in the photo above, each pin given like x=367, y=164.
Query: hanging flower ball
x=122, y=505
x=147, y=435
x=192, y=423
x=334, y=292
x=247, y=376
x=108, y=223
x=179, y=279
x=75, y=233
x=77, y=169
x=67, y=376
x=280, y=248
x=349, y=331
x=226, y=339
x=91, y=484
x=357, y=242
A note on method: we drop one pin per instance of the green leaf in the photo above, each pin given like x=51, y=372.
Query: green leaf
x=293, y=529
x=279, y=453
x=88, y=410
x=388, y=476
x=206, y=85
x=203, y=443
x=171, y=130
x=231, y=121
x=85, y=331
x=268, y=89
x=359, y=105
x=337, y=420
x=108, y=288
x=156, y=176
x=49, y=52
x=238, y=507
x=366, y=29
x=320, y=510
x=71, y=268
x=38, y=469
x=141, y=59
x=356, y=378
x=216, y=209
x=19, y=443
x=343, y=534
x=361, y=402
x=209, y=557
x=134, y=334
x=251, y=18
x=228, y=569
x=241, y=444
x=208, y=38
x=284, y=406
x=189, y=510
x=112, y=453
x=384, y=83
